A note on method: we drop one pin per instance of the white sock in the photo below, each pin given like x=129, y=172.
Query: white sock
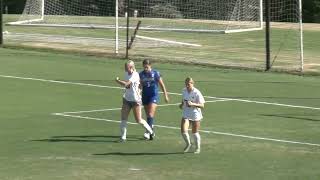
x=197, y=139
x=186, y=138
x=123, y=129
x=146, y=126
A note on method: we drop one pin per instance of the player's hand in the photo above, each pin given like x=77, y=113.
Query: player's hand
x=189, y=104
x=166, y=99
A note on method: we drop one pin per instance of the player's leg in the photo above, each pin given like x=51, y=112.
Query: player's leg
x=184, y=132
x=137, y=115
x=150, y=110
x=125, y=110
x=196, y=135
x=150, y=105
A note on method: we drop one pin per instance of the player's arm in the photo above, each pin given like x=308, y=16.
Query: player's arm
x=199, y=102
x=141, y=84
x=164, y=90
x=181, y=104
x=196, y=105
x=122, y=82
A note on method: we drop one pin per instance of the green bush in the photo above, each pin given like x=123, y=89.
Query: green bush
x=165, y=11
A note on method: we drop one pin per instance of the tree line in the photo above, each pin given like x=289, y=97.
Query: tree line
x=311, y=8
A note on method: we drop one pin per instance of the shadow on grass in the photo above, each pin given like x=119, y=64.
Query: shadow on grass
x=88, y=138
x=138, y=153
x=288, y=116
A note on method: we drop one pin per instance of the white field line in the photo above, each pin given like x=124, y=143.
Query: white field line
x=214, y=132
x=113, y=87
x=95, y=110
x=204, y=131
x=268, y=103
x=168, y=41
x=113, y=109
x=60, y=82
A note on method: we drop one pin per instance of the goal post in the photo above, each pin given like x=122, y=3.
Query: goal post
x=171, y=23
x=167, y=15
x=301, y=37
x=1, y=23
x=214, y=16
x=287, y=46
x=258, y=5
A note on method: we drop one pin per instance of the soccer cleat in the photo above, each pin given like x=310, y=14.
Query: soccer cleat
x=197, y=151
x=146, y=135
x=187, y=148
x=154, y=133
x=122, y=140
x=152, y=136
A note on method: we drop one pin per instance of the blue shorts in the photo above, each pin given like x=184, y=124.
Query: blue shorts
x=148, y=100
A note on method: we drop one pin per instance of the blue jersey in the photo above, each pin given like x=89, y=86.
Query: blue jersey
x=150, y=83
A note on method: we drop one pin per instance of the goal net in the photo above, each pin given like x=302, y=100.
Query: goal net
x=286, y=35
x=171, y=30
x=175, y=15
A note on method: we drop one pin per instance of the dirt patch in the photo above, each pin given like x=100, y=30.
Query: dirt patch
x=306, y=26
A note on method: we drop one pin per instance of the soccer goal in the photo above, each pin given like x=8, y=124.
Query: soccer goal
x=172, y=15
x=225, y=16
x=287, y=51
x=166, y=25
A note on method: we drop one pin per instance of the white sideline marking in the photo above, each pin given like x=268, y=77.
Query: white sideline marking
x=96, y=110
x=60, y=82
x=112, y=87
x=268, y=103
x=205, y=131
x=168, y=41
x=134, y=169
x=112, y=109
x=213, y=132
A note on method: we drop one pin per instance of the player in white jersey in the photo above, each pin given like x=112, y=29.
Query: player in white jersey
x=131, y=100
x=192, y=102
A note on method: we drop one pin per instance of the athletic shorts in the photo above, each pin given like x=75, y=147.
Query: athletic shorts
x=131, y=104
x=191, y=114
x=191, y=119
x=148, y=100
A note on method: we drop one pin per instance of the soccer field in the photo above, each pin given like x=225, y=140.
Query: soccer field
x=60, y=121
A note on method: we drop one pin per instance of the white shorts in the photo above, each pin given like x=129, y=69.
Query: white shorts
x=193, y=114
x=191, y=119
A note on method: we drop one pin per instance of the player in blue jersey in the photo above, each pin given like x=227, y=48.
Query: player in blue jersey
x=150, y=81
x=131, y=100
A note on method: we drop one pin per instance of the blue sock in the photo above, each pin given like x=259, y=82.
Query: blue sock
x=150, y=121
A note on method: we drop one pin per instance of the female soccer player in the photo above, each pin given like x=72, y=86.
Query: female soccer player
x=131, y=100
x=192, y=102
x=150, y=80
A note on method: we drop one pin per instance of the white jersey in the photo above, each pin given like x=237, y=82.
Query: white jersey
x=132, y=93
x=195, y=96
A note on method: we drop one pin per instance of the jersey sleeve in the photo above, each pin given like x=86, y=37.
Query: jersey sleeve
x=134, y=78
x=184, y=96
x=200, y=98
x=157, y=75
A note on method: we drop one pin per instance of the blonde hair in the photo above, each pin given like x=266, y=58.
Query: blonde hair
x=131, y=64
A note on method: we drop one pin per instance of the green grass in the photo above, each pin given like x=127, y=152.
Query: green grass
x=240, y=50
x=38, y=145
